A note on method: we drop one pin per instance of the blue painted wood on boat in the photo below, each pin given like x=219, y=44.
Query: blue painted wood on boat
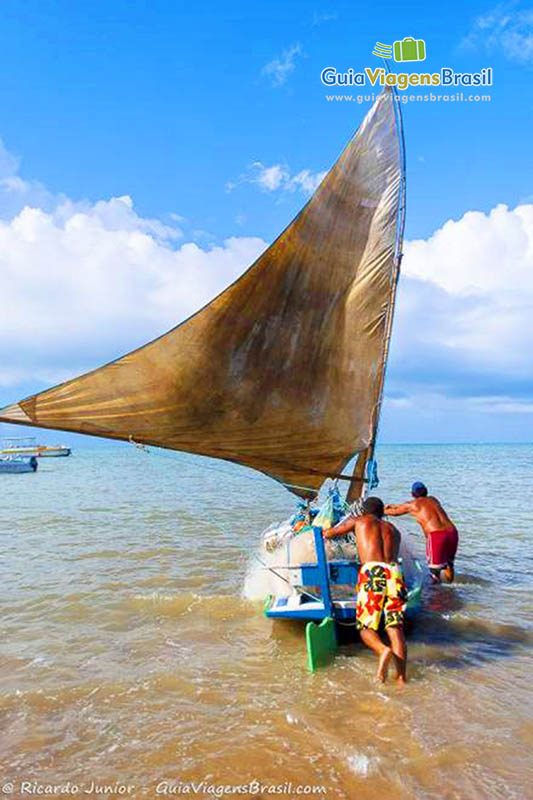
x=303, y=612
x=340, y=572
x=313, y=575
x=323, y=573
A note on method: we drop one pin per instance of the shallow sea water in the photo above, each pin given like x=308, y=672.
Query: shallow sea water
x=129, y=655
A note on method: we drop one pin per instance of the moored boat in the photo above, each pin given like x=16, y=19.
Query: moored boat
x=12, y=464
x=27, y=446
x=53, y=451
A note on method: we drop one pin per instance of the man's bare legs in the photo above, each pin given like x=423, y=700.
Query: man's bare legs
x=399, y=649
x=372, y=640
x=444, y=575
x=447, y=575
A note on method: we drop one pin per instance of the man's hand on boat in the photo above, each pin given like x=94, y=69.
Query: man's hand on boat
x=339, y=530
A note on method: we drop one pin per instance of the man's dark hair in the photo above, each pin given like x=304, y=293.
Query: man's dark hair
x=418, y=489
x=374, y=505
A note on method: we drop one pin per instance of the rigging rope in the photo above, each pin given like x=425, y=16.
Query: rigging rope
x=275, y=462
x=150, y=451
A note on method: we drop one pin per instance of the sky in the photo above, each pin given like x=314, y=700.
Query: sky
x=149, y=152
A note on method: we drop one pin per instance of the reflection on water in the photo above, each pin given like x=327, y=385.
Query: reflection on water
x=129, y=653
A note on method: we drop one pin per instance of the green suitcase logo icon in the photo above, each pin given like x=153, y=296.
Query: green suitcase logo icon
x=410, y=49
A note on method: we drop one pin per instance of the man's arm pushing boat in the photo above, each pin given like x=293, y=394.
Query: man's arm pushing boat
x=398, y=509
x=339, y=530
x=440, y=532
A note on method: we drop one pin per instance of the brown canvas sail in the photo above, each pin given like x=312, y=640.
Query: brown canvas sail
x=283, y=371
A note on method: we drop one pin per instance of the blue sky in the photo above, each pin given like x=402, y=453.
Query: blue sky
x=212, y=121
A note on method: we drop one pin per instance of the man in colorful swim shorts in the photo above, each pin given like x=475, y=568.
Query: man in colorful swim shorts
x=441, y=534
x=381, y=590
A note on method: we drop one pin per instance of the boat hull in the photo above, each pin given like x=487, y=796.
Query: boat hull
x=43, y=451
x=327, y=588
x=302, y=607
x=14, y=467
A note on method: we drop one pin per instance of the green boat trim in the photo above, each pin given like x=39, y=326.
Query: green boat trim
x=321, y=643
x=267, y=603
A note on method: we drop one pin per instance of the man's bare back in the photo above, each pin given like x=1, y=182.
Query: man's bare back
x=440, y=532
x=427, y=511
x=377, y=540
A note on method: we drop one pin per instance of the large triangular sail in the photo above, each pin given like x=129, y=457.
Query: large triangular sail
x=283, y=371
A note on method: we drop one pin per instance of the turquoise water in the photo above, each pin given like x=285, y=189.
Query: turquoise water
x=129, y=652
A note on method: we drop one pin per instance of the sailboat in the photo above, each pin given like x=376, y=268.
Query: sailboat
x=16, y=464
x=27, y=445
x=283, y=371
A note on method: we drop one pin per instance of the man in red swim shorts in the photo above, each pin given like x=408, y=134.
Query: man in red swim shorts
x=441, y=534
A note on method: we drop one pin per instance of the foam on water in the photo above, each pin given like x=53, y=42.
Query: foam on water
x=361, y=764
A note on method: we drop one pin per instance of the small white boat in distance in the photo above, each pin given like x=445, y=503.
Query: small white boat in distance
x=53, y=450
x=27, y=446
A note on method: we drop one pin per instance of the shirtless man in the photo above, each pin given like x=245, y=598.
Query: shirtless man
x=381, y=588
x=441, y=534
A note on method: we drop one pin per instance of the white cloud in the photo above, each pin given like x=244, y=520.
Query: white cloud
x=398, y=402
x=9, y=163
x=106, y=276
x=82, y=283
x=269, y=178
x=15, y=192
x=435, y=403
x=306, y=181
x=279, y=69
x=503, y=29
x=13, y=376
x=473, y=287
x=117, y=213
x=319, y=18
x=501, y=405
x=479, y=252
x=277, y=177
x=462, y=336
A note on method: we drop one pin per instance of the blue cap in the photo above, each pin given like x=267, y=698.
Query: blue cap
x=418, y=487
